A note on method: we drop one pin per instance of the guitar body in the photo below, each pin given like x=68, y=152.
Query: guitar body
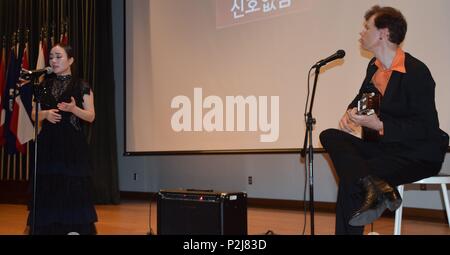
x=369, y=104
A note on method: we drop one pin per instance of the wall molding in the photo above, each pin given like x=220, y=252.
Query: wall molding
x=421, y=214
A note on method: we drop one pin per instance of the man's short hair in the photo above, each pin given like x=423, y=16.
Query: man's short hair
x=390, y=18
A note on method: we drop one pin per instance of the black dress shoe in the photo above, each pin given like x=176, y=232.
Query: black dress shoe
x=390, y=194
x=379, y=195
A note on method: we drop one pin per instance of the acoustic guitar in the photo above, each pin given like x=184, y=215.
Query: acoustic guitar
x=369, y=104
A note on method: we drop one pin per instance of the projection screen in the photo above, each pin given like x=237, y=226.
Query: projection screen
x=231, y=75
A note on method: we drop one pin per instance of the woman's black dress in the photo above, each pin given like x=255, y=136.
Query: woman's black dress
x=63, y=191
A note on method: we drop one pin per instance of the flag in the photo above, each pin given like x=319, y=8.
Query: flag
x=12, y=75
x=25, y=63
x=45, y=50
x=2, y=90
x=40, y=64
x=64, y=38
x=52, y=38
x=20, y=124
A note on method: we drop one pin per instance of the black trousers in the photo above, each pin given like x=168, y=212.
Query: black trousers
x=353, y=159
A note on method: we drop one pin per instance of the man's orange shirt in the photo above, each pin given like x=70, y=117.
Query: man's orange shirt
x=381, y=77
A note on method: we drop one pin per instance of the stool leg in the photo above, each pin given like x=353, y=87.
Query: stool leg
x=446, y=202
x=398, y=214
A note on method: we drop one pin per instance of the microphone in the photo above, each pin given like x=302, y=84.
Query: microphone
x=38, y=72
x=339, y=54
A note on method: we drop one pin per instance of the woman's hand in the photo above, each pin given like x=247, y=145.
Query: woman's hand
x=67, y=107
x=53, y=116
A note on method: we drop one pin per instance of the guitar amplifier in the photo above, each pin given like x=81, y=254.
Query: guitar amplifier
x=201, y=212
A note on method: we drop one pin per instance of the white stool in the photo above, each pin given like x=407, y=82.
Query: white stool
x=438, y=179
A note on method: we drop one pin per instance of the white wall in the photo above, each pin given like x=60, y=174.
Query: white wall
x=275, y=176
x=178, y=60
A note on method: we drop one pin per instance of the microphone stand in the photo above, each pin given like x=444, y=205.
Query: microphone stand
x=35, y=84
x=310, y=121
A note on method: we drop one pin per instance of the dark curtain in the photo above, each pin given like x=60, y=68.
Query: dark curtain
x=89, y=29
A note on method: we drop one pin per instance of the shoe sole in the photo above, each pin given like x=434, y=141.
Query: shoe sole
x=368, y=216
x=371, y=215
